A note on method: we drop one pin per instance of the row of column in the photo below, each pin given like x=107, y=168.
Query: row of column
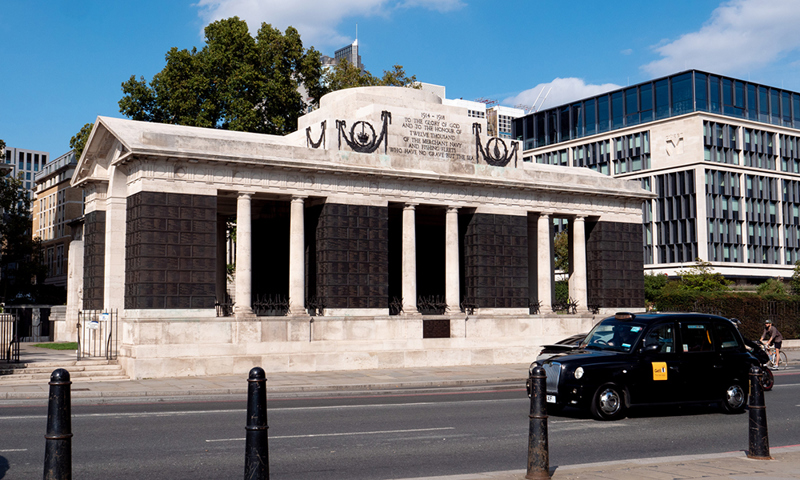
x=244, y=267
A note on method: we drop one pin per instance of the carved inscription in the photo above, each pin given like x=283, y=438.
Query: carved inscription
x=432, y=135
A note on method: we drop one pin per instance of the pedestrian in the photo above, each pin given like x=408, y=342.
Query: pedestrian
x=772, y=336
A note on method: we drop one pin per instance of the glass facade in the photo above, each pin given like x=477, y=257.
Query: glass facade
x=658, y=99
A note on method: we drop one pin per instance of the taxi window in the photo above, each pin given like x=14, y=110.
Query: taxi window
x=663, y=336
x=613, y=335
x=726, y=337
x=695, y=337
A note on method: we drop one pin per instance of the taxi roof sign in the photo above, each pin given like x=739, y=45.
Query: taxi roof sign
x=624, y=316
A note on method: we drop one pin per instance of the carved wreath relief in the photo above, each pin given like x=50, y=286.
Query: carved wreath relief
x=493, y=155
x=320, y=141
x=362, y=137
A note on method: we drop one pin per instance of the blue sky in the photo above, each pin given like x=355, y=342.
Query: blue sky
x=63, y=61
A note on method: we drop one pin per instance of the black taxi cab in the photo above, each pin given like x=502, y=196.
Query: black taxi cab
x=651, y=359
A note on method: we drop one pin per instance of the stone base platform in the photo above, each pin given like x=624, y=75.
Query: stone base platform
x=189, y=346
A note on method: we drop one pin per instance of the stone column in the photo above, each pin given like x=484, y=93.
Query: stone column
x=544, y=262
x=577, y=281
x=114, y=276
x=297, y=269
x=222, y=259
x=243, y=306
x=74, y=291
x=452, y=293
x=409, y=260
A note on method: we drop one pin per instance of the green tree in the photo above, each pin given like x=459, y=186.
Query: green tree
x=772, y=286
x=794, y=283
x=561, y=251
x=78, y=142
x=654, y=284
x=20, y=254
x=346, y=75
x=702, y=278
x=234, y=82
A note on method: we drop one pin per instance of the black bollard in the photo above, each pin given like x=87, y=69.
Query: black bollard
x=538, y=451
x=256, y=460
x=58, y=446
x=759, y=436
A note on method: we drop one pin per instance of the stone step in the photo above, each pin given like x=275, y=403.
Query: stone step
x=79, y=370
x=57, y=364
x=73, y=369
x=10, y=381
x=39, y=378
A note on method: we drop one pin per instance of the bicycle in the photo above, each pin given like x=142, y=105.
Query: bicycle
x=784, y=362
x=759, y=350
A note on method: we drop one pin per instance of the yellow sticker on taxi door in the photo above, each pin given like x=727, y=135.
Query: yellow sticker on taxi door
x=659, y=370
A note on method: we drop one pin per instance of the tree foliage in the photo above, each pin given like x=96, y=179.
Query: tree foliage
x=20, y=255
x=235, y=82
x=794, y=282
x=654, y=284
x=701, y=277
x=772, y=287
x=346, y=75
x=78, y=142
x=561, y=251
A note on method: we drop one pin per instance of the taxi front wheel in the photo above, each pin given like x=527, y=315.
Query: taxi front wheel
x=735, y=398
x=608, y=403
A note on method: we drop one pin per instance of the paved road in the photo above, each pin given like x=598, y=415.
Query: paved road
x=368, y=437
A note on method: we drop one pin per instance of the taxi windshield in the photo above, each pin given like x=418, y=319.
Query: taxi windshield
x=613, y=335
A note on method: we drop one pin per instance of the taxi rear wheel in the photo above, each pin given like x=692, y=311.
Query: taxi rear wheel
x=735, y=398
x=608, y=403
x=767, y=379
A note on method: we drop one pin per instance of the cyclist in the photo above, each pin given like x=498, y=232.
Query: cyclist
x=775, y=338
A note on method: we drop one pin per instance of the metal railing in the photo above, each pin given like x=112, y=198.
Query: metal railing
x=98, y=334
x=33, y=322
x=9, y=339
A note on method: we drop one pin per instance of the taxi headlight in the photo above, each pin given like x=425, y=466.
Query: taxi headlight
x=579, y=373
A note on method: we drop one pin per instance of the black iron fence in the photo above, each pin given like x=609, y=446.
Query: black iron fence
x=9, y=341
x=267, y=306
x=33, y=322
x=98, y=334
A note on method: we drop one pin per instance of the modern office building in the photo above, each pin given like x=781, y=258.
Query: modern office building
x=722, y=156
x=499, y=120
x=25, y=163
x=56, y=204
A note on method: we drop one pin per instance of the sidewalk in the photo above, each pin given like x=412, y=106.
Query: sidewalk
x=278, y=383
x=730, y=465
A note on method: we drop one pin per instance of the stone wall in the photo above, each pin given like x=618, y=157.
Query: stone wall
x=496, y=261
x=352, y=254
x=170, y=251
x=94, y=260
x=615, y=264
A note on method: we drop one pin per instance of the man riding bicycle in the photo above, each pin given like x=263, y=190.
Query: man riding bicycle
x=775, y=338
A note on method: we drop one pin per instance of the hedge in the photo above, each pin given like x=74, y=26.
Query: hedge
x=749, y=308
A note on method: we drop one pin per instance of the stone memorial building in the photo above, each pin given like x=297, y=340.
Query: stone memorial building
x=387, y=231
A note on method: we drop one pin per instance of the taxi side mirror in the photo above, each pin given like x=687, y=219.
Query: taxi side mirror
x=652, y=349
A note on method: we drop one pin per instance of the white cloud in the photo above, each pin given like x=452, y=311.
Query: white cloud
x=438, y=5
x=740, y=36
x=627, y=51
x=558, y=92
x=316, y=21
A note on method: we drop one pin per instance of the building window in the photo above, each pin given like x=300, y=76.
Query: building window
x=675, y=217
x=558, y=157
x=632, y=153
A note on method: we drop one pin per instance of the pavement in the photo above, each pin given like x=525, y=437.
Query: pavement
x=784, y=462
